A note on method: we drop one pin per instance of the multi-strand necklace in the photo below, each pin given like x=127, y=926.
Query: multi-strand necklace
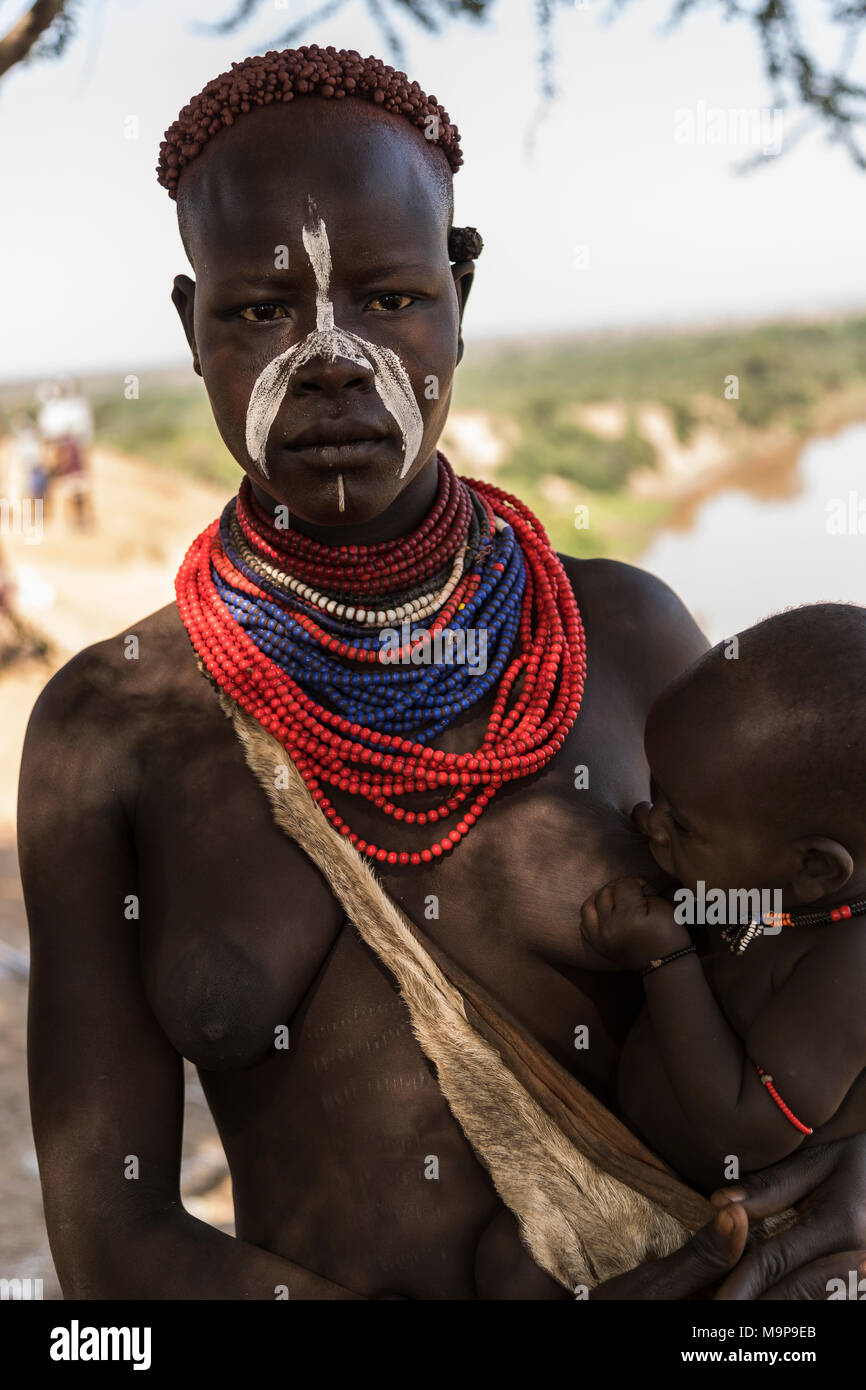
x=295, y=632
x=739, y=938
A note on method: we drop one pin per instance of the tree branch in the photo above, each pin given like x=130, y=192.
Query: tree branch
x=22, y=36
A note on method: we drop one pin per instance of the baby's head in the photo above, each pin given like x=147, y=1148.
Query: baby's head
x=315, y=204
x=758, y=760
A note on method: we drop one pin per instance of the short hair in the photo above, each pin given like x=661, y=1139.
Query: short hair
x=795, y=685
x=310, y=71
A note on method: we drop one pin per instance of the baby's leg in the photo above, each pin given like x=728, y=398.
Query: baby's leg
x=504, y=1270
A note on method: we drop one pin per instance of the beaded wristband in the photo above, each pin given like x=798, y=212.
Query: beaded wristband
x=786, y=1110
x=666, y=960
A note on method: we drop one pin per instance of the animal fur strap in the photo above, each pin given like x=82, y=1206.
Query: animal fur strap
x=590, y=1200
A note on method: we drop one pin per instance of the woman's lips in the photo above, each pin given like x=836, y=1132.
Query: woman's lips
x=342, y=455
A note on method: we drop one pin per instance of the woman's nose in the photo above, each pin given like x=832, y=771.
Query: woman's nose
x=331, y=376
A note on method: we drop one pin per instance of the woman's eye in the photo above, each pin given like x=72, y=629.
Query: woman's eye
x=390, y=302
x=268, y=312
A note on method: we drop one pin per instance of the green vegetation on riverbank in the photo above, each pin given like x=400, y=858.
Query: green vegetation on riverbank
x=783, y=369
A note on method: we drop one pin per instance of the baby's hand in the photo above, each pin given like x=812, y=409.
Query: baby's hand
x=626, y=927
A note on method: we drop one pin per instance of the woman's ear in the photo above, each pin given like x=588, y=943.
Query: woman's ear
x=464, y=274
x=822, y=867
x=183, y=299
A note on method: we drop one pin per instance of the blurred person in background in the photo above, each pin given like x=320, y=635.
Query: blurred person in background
x=28, y=471
x=66, y=426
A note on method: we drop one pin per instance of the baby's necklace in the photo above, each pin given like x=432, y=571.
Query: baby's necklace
x=740, y=938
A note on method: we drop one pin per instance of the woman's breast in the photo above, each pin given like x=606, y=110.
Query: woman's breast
x=506, y=909
x=344, y=1154
x=219, y=1000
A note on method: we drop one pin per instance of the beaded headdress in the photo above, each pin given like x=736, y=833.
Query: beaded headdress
x=310, y=71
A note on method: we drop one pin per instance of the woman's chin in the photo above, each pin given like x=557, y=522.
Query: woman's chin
x=322, y=501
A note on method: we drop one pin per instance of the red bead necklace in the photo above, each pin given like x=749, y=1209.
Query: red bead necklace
x=524, y=731
x=371, y=569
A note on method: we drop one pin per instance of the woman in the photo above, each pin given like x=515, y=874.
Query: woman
x=170, y=916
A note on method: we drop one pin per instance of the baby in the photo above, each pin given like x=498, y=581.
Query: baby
x=753, y=1037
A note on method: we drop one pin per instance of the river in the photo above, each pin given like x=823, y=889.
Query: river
x=745, y=556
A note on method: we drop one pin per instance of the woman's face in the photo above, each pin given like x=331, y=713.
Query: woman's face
x=325, y=317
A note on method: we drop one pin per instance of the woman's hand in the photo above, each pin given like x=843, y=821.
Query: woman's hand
x=828, y=1242
x=690, y=1271
x=628, y=928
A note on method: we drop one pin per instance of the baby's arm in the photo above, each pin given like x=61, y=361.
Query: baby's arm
x=811, y=1036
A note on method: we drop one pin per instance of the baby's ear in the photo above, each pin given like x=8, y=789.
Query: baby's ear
x=822, y=867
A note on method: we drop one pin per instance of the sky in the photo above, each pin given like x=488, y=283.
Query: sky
x=617, y=214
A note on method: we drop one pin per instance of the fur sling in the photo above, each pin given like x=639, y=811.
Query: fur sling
x=590, y=1200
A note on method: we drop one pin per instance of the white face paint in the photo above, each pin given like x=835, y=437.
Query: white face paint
x=391, y=379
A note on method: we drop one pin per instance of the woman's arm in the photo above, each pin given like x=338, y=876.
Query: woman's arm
x=106, y=1085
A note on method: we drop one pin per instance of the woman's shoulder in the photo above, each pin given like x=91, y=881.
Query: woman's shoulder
x=632, y=610
x=611, y=581
x=110, y=692
x=146, y=656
